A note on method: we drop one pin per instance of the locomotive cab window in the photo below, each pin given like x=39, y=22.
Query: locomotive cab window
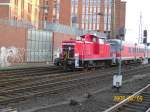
x=68, y=51
x=94, y=39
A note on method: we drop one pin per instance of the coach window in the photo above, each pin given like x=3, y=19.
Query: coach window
x=132, y=50
x=94, y=39
x=122, y=48
x=129, y=50
x=139, y=50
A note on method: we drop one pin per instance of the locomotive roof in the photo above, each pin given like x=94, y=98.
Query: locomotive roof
x=92, y=35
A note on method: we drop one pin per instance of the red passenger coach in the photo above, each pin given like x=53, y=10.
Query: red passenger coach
x=129, y=52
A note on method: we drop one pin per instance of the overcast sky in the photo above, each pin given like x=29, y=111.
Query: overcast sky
x=133, y=10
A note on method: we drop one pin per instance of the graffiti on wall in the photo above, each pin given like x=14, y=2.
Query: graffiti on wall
x=11, y=55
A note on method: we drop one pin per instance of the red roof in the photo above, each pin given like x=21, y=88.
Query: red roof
x=4, y=1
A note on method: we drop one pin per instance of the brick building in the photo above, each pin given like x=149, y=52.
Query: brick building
x=93, y=15
x=22, y=10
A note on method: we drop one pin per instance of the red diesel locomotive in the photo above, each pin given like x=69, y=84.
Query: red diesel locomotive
x=91, y=51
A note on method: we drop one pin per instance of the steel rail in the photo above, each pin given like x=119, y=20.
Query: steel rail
x=34, y=93
x=148, y=110
x=49, y=85
x=118, y=105
x=59, y=76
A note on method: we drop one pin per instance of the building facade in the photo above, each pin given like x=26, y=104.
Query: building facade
x=93, y=15
x=20, y=10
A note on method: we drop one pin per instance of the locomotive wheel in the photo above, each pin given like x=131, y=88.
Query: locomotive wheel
x=86, y=65
x=65, y=67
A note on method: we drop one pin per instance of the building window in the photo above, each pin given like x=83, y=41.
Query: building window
x=76, y=10
x=83, y=26
x=56, y=11
x=90, y=26
x=87, y=9
x=98, y=19
x=97, y=26
x=29, y=8
x=46, y=2
x=16, y=2
x=94, y=9
x=90, y=10
x=46, y=18
x=94, y=25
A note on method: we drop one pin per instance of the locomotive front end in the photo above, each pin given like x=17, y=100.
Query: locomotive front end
x=68, y=54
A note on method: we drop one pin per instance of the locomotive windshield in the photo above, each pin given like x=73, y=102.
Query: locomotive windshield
x=68, y=51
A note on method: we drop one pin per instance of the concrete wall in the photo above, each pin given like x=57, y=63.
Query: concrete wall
x=12, y=36
x=13, y=41
x=4, y=11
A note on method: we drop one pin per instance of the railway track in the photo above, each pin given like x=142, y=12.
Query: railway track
x=138, y=102
x=15, y=73
x=43, y=76
x=38, y=79
x=35, y=88
x=53, y=85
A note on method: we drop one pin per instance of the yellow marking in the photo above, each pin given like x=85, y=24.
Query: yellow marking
x=131, y=98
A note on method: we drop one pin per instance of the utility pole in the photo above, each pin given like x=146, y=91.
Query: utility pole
x=140, y=30
x=145, y=50
x=117, y=78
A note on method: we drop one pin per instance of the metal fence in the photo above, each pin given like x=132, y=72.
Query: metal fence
x=39, y=46
x=17, y=23
x=54, y=27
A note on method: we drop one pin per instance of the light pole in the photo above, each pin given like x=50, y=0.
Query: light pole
x=120, y=60
x=145, y=49
x=117, y=78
